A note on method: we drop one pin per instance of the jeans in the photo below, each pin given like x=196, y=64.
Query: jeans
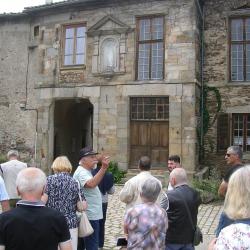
x=179, y=246
x=91, y=242
x=102, y=225
x=223, y=222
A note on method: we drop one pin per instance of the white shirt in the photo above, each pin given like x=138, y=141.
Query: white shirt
x=130, y=194
x=3, y=193
x=10, y=171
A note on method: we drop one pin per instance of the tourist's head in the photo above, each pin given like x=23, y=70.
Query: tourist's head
x=150, y=190
x=12, y=154
x=144, y=163
x=234, y=155
x=237, y=201
x=178, y=177
x=31, y=181
x=61, y=164
x=87, y=157
x=173, y=162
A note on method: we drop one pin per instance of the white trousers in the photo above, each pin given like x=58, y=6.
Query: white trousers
x=74, y=237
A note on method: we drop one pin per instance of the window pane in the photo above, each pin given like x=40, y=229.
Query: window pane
x=237, y=62
x=157, y=61
x=149, y=108
x=157, y=28
x=144, y=33
x=143, y=61
x=80, y=31
x=237, y=30
x=248, y=29
x=69, y=33
x=80, y=59
x=238, y=129
x=248, y=62
x=69, y=46
x=68, y=60
x=80, y=45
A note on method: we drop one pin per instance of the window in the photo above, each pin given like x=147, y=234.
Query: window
x=240, y=49
x=74, y=45
x=233, y=129
x=149, y=108
x=241, y=131
x=150, y=48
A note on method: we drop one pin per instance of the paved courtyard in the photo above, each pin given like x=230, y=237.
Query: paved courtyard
x=207, y=220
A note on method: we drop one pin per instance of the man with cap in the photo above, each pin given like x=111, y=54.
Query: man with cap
x=87, y=161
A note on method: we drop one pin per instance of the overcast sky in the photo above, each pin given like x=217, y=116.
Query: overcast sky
x=18, y=5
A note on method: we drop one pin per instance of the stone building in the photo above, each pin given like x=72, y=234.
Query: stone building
x=122, y=76
x=227, y=70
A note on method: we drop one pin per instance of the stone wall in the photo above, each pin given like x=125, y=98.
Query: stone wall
x=47, y=81
x=235, y=96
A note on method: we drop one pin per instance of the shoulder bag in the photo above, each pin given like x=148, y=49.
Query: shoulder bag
x=198, y=237
x=85, y=229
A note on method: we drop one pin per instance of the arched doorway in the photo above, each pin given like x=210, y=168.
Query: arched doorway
x=73, y=127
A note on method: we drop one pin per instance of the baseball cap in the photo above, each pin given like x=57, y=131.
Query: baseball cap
x=86, y=152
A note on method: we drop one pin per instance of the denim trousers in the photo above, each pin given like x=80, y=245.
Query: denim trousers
x=102, y=225
x=91, y=242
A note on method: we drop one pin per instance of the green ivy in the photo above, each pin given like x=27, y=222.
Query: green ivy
x=3, y=158
x=117, y=173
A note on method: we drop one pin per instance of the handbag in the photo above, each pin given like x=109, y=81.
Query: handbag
x=198, y=237
x=84, y=229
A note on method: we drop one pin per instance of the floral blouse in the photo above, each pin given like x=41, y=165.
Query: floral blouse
x=147, y=225
x=62, y=191
x=234, y=237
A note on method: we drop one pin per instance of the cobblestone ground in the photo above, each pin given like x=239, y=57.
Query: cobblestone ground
x=207, y=219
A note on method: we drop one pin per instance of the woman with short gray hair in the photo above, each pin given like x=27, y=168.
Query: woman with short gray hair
x=146, y=224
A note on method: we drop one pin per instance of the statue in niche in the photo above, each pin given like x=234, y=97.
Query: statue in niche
x=109, y=55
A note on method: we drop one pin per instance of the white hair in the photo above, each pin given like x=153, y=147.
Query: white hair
x=30, y=180
x=151, y=189
x=180, y=176
x=12, y=153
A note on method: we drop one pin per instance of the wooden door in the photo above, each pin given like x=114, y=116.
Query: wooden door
x=149, y=138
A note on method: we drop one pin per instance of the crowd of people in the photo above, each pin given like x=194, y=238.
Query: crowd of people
x=40, y=212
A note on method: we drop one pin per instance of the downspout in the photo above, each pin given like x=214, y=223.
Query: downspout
x=201, y=12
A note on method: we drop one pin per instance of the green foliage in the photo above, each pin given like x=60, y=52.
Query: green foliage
x=117, y=173
x=3, y=158
x=208, y=188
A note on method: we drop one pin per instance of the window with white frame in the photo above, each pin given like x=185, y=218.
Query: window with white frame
x=74, y=45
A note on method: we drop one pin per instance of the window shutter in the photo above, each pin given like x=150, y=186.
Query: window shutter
x=223, y=132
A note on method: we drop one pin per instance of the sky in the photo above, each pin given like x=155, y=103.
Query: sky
x=8, y=6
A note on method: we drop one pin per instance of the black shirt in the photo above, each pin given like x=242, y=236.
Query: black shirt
x=28, y=227
x=230, y=171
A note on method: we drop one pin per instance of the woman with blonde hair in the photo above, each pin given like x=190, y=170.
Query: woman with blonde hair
x=236, y=207
x=61, y=193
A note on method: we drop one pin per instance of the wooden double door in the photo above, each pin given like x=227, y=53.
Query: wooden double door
x=149, y=138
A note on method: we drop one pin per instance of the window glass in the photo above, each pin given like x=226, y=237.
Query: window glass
x=237, y=30
x=237, y=62
x=74, y=45
x=143, y=61
x=144, y=32
x=157, y=61
x=157, y=28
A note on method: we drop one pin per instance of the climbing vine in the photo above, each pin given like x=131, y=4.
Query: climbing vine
x=207, y=122
x=206, y=116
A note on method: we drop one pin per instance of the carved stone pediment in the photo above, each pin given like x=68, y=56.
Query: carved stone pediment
x=108, y=25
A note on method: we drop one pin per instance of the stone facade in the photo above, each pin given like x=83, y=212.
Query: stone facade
x=32, y=74
x=235, y=96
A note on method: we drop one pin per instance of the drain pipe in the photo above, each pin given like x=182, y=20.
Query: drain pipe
x=201, y=11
